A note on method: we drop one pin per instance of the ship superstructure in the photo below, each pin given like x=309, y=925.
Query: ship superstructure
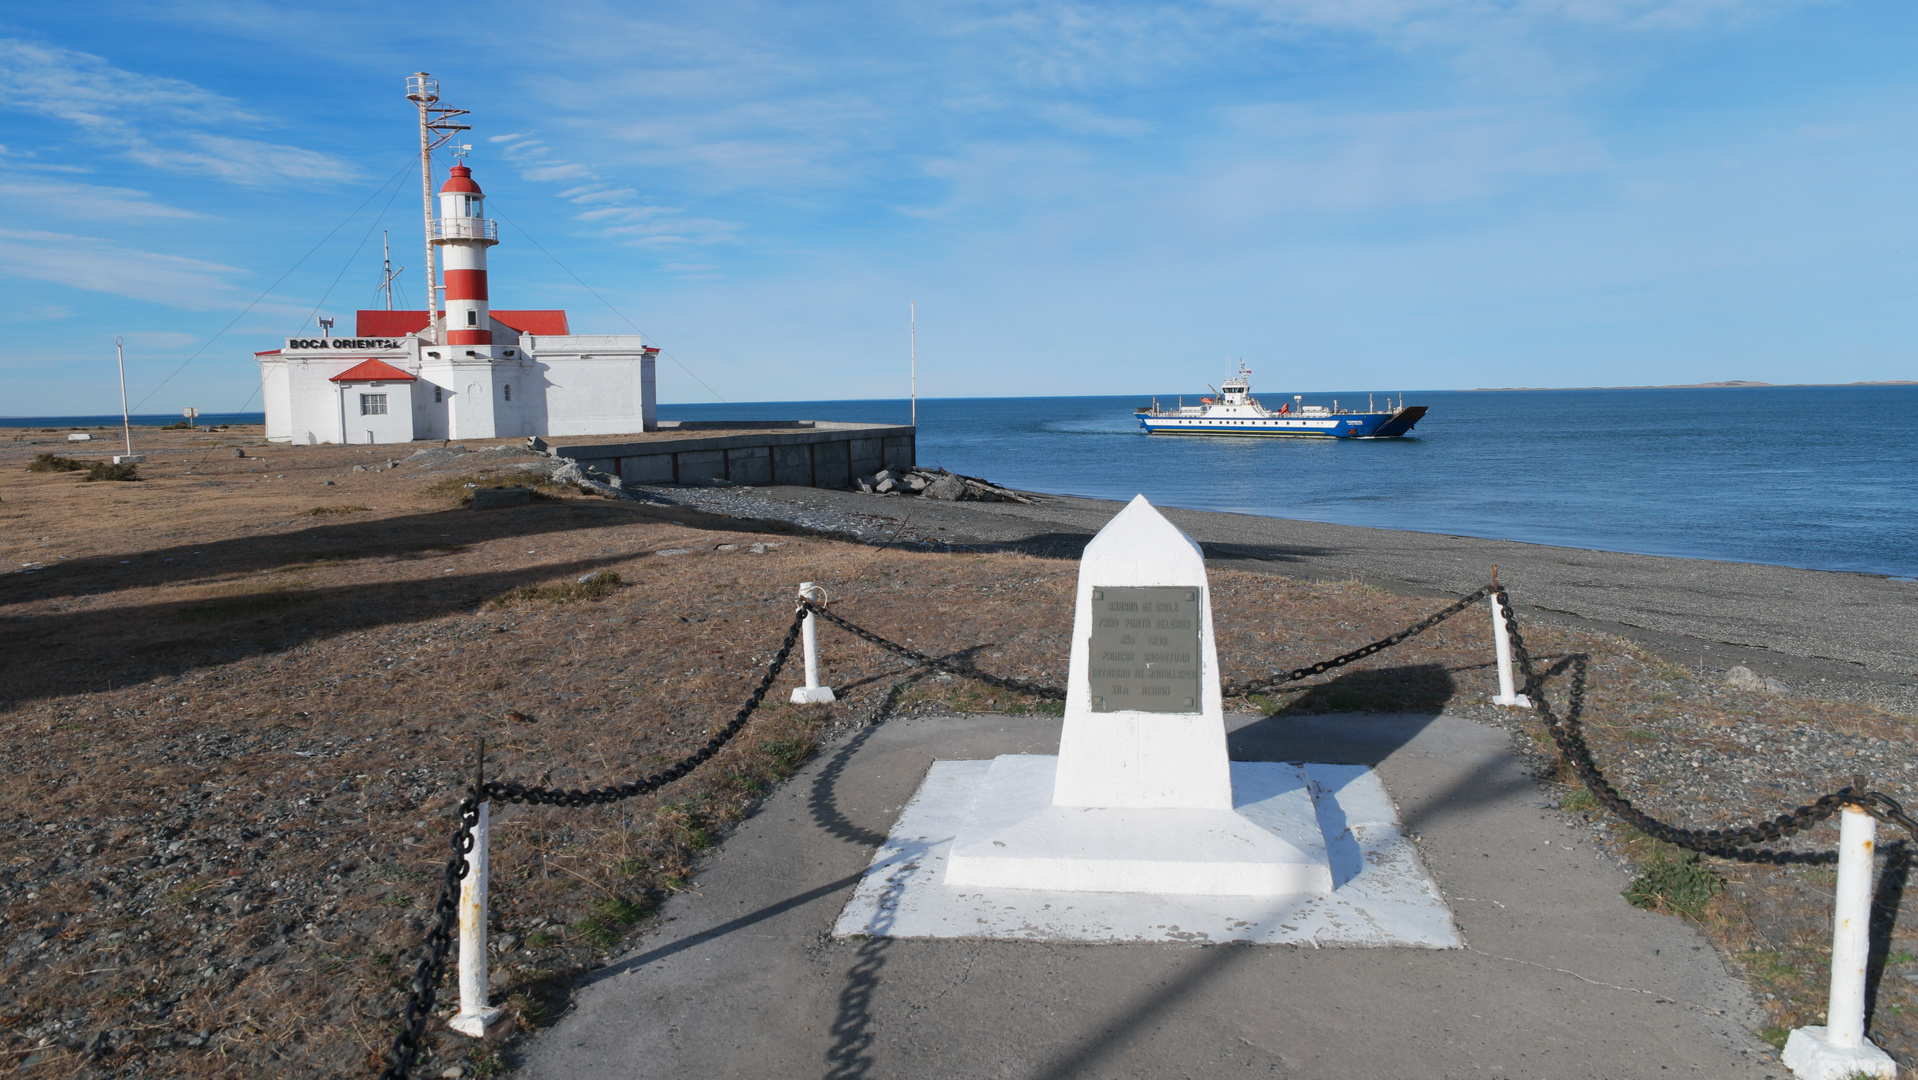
x=1234, y=411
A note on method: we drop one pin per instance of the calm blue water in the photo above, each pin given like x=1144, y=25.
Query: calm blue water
x=1819, y=477
x=1822, y=477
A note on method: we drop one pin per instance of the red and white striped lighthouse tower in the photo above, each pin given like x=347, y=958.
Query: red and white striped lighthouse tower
x=463, y=234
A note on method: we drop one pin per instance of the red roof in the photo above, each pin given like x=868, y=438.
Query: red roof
x=534, y=322
x=379, y=323
x=372, y=371
x=460, y=180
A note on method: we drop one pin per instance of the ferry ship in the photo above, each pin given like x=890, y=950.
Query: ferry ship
x=1236, y=412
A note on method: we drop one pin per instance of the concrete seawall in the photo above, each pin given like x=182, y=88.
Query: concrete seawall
x=802, y=453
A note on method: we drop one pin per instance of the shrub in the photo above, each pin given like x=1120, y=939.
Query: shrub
x=596, y=585
x=1675, y=883
x=51, y=462
x=106, y=470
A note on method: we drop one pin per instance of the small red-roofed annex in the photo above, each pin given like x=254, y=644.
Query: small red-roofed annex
x=467, y=371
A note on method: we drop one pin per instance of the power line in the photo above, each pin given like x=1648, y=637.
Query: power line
x=276, y=283
x=348, y=265
x=494, y=203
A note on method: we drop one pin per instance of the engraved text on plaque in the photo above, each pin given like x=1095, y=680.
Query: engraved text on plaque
x=1145, y=653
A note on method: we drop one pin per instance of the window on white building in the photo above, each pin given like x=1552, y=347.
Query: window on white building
x=472, y=318
x=372, y=404
x=436, y=395
x=509, y=391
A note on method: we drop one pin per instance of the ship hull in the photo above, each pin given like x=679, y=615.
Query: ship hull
x=1379, y=425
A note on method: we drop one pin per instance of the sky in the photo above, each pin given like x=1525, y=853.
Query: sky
x=1113, y=198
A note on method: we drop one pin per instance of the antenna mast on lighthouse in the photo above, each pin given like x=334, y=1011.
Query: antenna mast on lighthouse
x=437, y=125
x=387, y=271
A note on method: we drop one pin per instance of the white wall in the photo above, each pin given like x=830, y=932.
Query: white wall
x=303, y=403
x=275, y=394
x=595, y=384
x=394, y=426
x=576, y=384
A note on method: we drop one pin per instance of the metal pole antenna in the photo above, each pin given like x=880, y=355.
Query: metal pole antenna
x=437, y=124
x=386, y=269
x=126, y=422
x=914, y=347
x=426, y=193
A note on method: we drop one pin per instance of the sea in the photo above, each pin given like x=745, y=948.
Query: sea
x=1824, y=478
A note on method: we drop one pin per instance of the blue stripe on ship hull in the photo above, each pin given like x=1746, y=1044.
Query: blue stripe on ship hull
x=1365, y=427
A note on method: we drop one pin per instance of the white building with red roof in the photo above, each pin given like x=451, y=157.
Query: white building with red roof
x=466, y=372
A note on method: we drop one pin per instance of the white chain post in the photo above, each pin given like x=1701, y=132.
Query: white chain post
x=1502, y=646
x=1839, y=1050
x=812, y=692
x=475, y=1018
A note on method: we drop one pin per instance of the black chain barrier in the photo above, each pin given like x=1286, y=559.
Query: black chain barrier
x=424, y=987
x=1281, y=678
x=1230, y=690
x=1732, y=842
x=1567, y=734
x=1054, y=693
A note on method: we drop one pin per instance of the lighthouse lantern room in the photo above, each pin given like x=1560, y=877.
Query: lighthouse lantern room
x=467, y=371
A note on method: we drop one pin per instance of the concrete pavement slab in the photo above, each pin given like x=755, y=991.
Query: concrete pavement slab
x=1340, y=815
x=1558, y=977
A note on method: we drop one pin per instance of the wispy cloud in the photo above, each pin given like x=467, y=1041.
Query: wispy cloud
x=1273, y=158
x=84, y=202
x=162, y=122
x=103, y=266
x=615, y=211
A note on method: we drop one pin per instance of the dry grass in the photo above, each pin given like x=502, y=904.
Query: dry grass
x=51, y=462
x=234, y=731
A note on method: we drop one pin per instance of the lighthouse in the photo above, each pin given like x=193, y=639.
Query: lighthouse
x=463, y=234
x=468, y=370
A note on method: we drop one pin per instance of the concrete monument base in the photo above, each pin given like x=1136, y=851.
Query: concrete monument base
x=1810, y=1055
x=1017, y=838
x=1380, y=894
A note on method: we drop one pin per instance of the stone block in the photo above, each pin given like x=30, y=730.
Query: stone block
x=647, y=469
x=865, y=456
x=750, y=465
x=831, y=466
x=900, y=452
x=948, y=488
x=700, y=466
x=792, y=465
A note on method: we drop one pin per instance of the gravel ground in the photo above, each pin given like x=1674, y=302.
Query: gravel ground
x=1835, y=636
x=242, y=693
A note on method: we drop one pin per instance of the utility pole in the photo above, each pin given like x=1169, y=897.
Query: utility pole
x=437, y=125
x=126, y=422
x=914, y=347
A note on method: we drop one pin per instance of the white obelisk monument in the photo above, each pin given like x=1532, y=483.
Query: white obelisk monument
x=1140, y=797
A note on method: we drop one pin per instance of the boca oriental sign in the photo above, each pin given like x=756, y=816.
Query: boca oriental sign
x=356, y=343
